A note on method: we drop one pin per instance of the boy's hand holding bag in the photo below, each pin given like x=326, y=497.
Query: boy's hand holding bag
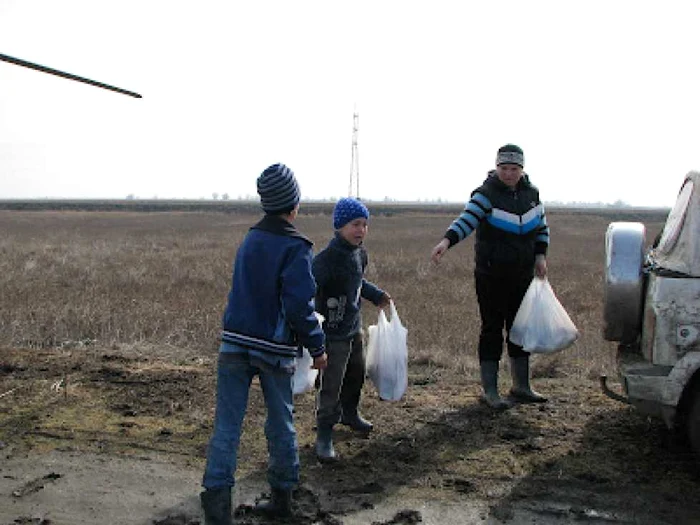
x=541, y=324
x=387, y=356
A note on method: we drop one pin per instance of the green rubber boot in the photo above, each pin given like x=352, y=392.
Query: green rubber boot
x=352, y=418
x=324, y=444
x=521, y=391
x=489, y=382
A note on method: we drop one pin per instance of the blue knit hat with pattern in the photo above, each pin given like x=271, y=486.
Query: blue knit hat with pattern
x=348, y=209
x=278, y=189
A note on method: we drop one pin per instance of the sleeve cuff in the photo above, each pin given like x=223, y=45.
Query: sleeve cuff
x=452, y=237
x=317, y=352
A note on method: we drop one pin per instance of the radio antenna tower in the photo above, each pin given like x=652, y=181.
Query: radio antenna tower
x=354, y=190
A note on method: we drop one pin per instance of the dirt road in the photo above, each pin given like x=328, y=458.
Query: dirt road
x=76, y=488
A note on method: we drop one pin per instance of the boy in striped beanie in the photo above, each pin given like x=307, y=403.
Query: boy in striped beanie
x=268, y=317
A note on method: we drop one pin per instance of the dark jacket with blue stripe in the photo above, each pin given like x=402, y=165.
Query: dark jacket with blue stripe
x=510, y=223
x=270, y=306
x=339, y=272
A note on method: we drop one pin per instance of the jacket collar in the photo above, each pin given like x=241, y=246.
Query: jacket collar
x=492, y=178
x=277, y=225
x=342, y=244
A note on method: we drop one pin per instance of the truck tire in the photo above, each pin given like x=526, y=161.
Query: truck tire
x=624, y=281
x=693, y=421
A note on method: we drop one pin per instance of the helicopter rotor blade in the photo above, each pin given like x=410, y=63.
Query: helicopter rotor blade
x=44, y=69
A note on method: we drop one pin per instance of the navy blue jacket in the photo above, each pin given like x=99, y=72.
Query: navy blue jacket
x=270, y=306
x=510, y=223
x=339, y=272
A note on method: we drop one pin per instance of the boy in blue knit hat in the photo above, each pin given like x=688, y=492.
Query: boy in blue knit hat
x=269, y=316
x=339, y=272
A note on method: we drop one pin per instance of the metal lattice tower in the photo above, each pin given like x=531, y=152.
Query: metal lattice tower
x=354, y=189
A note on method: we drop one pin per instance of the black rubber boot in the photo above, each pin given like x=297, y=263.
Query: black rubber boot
x=324, y=443
x=279, y=504
x=351, y=418
x=216, y=504
x=489, y=382
x=521, y=391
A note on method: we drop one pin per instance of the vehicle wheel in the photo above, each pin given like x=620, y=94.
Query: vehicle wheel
x=693, y=422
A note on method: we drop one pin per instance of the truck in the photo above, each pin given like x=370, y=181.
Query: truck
x=652, y=310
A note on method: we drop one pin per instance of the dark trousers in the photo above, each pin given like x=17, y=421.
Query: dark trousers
x=499, y=298
x=341, y=381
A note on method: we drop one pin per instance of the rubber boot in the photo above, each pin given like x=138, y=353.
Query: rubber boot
x=324, y=443
x=489, y=382
x=216, y=504
x=351, y=418
x=521, y=391
x=279, y=504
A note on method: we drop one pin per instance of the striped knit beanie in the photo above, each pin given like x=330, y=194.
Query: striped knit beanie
x=348, y=209
x=278, y=189
x=510, y=154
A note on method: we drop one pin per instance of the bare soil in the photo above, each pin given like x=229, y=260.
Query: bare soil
x=118, y=435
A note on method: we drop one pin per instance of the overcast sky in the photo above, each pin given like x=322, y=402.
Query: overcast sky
x=601, y=95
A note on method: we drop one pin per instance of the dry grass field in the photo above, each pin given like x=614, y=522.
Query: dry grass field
x=108, y=339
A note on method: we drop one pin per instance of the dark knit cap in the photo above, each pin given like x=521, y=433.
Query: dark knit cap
x=278, y=189
x=510, y=154
x=348, y=209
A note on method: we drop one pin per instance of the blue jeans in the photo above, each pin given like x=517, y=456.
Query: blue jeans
x=236, y=368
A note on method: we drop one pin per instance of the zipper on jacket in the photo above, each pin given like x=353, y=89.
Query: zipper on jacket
x=520, y=215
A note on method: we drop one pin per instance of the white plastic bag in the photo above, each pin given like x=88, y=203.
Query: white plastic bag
x=304, y=376
x=387, y=356
x=541, y=324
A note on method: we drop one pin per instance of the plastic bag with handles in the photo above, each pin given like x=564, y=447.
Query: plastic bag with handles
x=387, y=356
x=541, y=324
x=304, y=375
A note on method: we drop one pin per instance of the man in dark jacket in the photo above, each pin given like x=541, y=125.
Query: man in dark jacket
x=512, y=238
x=269, y=316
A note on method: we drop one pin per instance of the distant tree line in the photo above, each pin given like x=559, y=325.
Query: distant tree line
x=559, y=204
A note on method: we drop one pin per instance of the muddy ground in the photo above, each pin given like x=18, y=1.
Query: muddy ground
x=118, y=435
